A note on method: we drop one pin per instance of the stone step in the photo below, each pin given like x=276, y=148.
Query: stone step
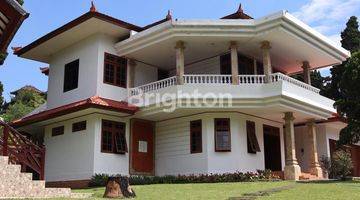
x=81, y=195
x=4, y=160
x=14, y=176
x=58, y=192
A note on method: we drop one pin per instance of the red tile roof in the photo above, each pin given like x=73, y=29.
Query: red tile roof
x=93, y=102
x=44, y=70
x=239, y=14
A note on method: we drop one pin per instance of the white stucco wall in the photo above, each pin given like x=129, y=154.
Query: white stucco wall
x=173, y=146
x=109, y=163
x=208, y=66
x=145, y=74
x=70, y=156
x=84, y=50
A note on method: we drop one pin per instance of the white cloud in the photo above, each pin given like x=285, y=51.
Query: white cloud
x=328, y=16
x=334, y=10
x=336, y=39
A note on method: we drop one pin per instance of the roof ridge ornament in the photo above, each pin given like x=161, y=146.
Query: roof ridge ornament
x=93, y=8
x=169, y=16
x=240, y=9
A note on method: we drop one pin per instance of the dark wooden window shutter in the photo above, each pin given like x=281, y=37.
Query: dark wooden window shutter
x=113, y=137
x=196, y=136
x=115, y=69
x=252, y=142
x=71, y=76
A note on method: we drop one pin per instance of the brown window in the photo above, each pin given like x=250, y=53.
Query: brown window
x=71, y=76
x=57, y=131
x=113, y=138
x=79, y=126
x=195, y=136
x=222, y=135
x=252, y=142
x=115, y=70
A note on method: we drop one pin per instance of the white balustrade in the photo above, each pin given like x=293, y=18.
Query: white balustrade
x=219, y=80
x=153, y=86
x=281, y=77
x=207, y=79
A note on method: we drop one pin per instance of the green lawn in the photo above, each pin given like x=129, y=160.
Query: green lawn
x=328, y=191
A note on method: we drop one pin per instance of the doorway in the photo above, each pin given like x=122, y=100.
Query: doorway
x=272, y=148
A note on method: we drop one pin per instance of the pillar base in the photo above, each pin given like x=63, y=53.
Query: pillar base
x=292, y=172
x=317, y=171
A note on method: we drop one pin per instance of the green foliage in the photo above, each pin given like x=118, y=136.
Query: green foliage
x=3, y=57
x=101, y=179
x=21, y=2
x=350, y=40
x=23, y=103
x=349, y=104
x=341, y=164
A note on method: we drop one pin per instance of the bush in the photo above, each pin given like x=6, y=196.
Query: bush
x=339, y=166
x=261, y=175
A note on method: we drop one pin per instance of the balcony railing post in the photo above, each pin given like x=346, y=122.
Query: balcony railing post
x=5, y=139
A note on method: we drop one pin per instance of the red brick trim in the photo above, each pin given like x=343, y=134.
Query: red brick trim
x=74, y=184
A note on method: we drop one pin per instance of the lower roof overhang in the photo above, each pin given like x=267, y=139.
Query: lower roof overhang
x=90, y=103
x=291, y=40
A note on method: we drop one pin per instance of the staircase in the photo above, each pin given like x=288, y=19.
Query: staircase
x=14, y=184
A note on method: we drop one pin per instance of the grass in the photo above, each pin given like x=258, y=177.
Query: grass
x=302, y=191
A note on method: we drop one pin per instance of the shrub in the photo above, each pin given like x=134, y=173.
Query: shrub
x=101, y=179
x=339, y=166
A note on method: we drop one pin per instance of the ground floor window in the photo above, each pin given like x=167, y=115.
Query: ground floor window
x=113, y=138
x=195, y=136
x=222, y=135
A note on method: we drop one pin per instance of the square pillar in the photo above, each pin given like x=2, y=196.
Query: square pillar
x=255, y=66
x=306, y=72
x=130, y=75
x=292, y=169
x=234, y=63
x=265, y=47
x=315, y=168
x=180, y=62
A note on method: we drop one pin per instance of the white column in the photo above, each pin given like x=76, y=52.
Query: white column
x=255, y=66
x=130, y=73
x=315, y=168
x=234, y=63
x=292, y=169
x=180, y=62
x=306, y=72
x=265, y=47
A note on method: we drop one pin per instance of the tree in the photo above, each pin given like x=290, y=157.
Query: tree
x=348, y=105
x=1, y=95
x=23, y=103
x=350, y=40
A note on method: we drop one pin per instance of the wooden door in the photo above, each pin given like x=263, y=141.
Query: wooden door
x=272, y=148
x=142, y=147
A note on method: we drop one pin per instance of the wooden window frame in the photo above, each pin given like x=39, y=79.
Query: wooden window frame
x=251, y=139
x=54, y=131
x=67, y=88
x=199, y=131
x=117, y=67
x=215, y=134
x=79, y=126
x=114, y=136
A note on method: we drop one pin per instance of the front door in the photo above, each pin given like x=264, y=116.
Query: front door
x=272, y=149
x=142, y=147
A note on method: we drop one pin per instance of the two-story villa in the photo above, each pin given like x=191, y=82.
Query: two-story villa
x=183, y=97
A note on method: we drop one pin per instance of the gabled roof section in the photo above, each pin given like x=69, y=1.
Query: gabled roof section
x=45, y=70
x=167, y=18
x=92, y=14
x=93, y=102
x=239, y=14
x=27, y=88
x=12, y=16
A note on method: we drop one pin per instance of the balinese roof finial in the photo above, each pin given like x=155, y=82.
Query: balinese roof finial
x=92, y=8
x=169, y=16
x=240, y=10
x=16, y=49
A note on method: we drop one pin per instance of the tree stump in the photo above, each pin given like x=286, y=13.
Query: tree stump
x=118, y=187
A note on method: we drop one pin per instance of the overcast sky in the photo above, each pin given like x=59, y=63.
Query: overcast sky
x=326, y=16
